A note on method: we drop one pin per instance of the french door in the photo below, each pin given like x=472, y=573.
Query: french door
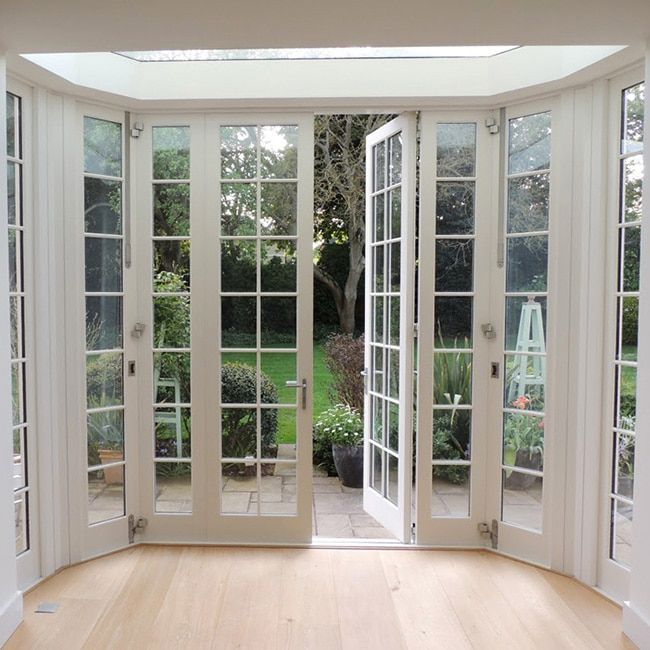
x=484, y=422
x=225, y=255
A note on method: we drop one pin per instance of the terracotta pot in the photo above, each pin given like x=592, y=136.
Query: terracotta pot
x=112, y=475
x=349, y=465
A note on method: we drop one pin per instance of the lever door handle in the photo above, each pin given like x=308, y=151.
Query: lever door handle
x=303, y=386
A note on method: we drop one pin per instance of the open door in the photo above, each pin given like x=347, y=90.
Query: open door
x=390, y=272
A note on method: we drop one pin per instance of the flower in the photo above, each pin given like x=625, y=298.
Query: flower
x=522, y=402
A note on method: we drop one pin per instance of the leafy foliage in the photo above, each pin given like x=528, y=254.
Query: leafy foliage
x=341, y=425
x=344, y=355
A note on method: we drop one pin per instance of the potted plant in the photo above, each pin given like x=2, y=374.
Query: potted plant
x=523, y=441
x=343, y=428
x=106, y=441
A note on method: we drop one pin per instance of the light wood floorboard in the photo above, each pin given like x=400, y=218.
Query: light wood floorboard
x=321, y=599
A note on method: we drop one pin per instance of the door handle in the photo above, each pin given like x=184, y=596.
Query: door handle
x=302, y=385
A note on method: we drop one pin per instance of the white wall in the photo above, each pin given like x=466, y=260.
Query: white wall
x=11, y=602
x=636, y=616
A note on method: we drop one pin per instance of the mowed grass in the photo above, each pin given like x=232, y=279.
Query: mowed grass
x=281, y=368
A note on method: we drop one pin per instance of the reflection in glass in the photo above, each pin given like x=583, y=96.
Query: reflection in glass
x=528, y=203
x=103, y=322
x=629, y=314
x=13, y=192
x=631, y=253
x=102, y=206
x=21, y=518
x=529, y=143
x=278, y=152
x=171, y=152
x=380, y=166
x=632, y=188
x=453, y=322
x=395, y=203
x=621, y=532
x=456, y=153
x=395, y=159
x=455, y=208
x=379, y=217
x=238, y=209
x=238, y=152
x=102, y=147
x=454, y=265
x=171, y=209
x=633, y=107
x=103, y=264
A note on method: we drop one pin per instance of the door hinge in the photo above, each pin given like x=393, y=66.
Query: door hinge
x=491, y=532
x=136, y=129
x=416, y=330
x=492, y=125
x=136, y=526
x=413, y=533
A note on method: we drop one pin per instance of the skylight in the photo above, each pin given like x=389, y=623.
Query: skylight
x=318, y=53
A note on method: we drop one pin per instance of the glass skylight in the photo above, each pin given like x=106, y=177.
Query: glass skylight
x=318, y=53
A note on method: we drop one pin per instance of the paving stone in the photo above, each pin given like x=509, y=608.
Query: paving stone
x=173, y=506
x=364, y=521
x=324, y=488
x=350, y=490
x=241, y=484
x=235, y=502
x=286, y=450
x=328, y=504
x=332, y=525
x=372, y=532
x=278, y=508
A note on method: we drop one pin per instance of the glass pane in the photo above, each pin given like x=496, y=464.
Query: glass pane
x=20, y=458
x=394, y=333
x=395, y=213
x=238, y=322
x=105, y=494
x=455, y=208
x=13, y=112
x=171, y=152
x=452, y=377
x=174, y=487
x=395, y=159
x=238, y=209
x=626, y=400
x=238, y=152
x=395, y=267
x=279, y=152
x=624, y=479
x=21, y=522
x=450, y=495
x=238, y=265
x=456, y=154
x=378, y=419
x=378, y=369
x=238, y=431
x=525, y=324
x=103, y=322
x=15, y=260
x=171, y=210
x=103, y=206
x=524, y=385
x=379, y=217
x=633, y=105
x=239, y=378
x=172, y=377
x=622, y=520
x=377, y=477
x=278, y=322
x=522, y=500
x=380, y=166
x=632, y=199
x=453, y=322
x=16, y=306
x=393, y=374
x=631, y=250
x=393, y=478
x=103, y=264
x=18, y=392
x=171, y=265
x=629, y=313
x=452, y=434
x=104, y=379
x=285, y=434
x=278, y=265
x=276, y=496
x=239, y=488
x=529, y=143
x=277, y=369
x=379, y=268
x=454, y=265
x=105, y=437
x=278, y=208
x=528, y=203
x=172, y=432
x=378, y=320
x=13, y=193
x=527, y=262
x=102, y=147
x=171, y=322
x=393, y=427
x=523, y=443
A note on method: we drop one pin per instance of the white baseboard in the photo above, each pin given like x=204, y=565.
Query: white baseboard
x=11, y=616
x=636, y=626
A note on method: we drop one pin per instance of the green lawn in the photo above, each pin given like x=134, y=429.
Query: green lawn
x=280, y=368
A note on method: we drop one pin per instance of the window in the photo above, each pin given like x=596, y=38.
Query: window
x=628, y=225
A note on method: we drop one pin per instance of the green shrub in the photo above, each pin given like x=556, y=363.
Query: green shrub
x=451, y=442
x=344, y=356
x=239, y=425
x=339, y=425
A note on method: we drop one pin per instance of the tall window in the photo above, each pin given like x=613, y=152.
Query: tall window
x=526, y=292
x=453, y=310
x=16, y=225
x=630, y=180
x=103, y=183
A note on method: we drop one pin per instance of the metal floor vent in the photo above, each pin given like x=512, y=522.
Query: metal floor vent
x=47, y=608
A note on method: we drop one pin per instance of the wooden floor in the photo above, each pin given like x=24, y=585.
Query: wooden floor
x=197, y=597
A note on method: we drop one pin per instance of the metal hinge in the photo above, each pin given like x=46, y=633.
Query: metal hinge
x=416, y=330
x=491, y=532
x=136, y=129
x=413, y=532
x=492, y=125
x=136, y=526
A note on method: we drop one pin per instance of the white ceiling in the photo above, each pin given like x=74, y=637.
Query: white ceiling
x=105, y=25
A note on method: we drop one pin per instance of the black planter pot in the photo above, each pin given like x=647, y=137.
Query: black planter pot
x=518, y=480
x=349, y=465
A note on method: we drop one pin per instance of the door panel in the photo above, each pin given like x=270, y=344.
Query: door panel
x=390, y=233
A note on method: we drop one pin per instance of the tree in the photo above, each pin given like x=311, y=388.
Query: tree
x=339, y=202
